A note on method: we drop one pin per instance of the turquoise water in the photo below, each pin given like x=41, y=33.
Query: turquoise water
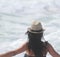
x=16, y=16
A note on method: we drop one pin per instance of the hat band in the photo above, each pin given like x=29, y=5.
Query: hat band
x=36, y=31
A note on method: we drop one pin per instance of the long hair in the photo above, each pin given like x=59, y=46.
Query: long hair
x=35, y=44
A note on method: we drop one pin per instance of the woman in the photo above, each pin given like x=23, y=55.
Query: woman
x=35, y=47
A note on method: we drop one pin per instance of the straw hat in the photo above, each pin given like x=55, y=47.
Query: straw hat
x=36, y=27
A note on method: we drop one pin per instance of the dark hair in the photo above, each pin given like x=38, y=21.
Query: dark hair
x=35, y=44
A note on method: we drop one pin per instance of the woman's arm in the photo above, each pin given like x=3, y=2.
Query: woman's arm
x=15, y=52
x=52, y=51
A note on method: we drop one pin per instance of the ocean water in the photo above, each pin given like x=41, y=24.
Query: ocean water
x=17, y=15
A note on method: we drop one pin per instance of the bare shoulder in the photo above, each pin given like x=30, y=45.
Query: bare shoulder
x=52, y=51
x=49, y=46
x=22, y=48
x=24, y=45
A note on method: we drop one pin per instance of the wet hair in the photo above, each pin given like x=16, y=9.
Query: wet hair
x=35, y=44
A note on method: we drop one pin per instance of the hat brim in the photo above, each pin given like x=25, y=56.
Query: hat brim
x=36, y=31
